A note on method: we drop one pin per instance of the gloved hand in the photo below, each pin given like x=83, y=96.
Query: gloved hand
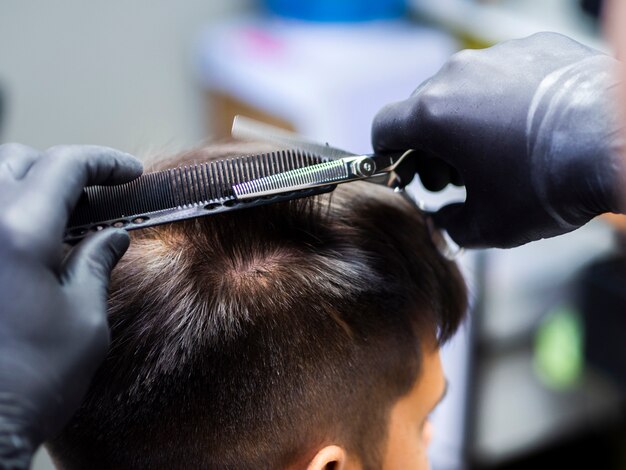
x=530, y=127
x=53, y=325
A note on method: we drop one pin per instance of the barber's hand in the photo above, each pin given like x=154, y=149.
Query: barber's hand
x=528, y=125
x=53, y=324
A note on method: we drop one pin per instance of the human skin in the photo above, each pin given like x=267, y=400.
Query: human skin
x=409, y=431
x=615, y=30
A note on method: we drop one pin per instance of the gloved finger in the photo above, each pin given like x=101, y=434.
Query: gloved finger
x=88, y=266
x=456, y=220
x=16, y=160
x=62, y=172
x=397, y=126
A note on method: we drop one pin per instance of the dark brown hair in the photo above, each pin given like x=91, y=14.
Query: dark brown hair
x=246, y=340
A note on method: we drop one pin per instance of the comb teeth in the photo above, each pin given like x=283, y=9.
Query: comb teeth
x=301, y=178
x=182, y=187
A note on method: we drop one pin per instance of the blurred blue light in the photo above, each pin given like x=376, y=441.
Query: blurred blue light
x=338, y=10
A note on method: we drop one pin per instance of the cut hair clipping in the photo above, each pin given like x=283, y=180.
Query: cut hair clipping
x=448, y=248
x=444, y=243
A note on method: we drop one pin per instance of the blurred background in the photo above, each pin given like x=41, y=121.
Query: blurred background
x=537, y=376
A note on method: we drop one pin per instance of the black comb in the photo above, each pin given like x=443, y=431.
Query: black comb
x=183, y=193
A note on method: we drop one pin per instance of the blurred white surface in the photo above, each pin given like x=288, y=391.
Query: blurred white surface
x=329, y=80
x=496, y=21
x=114, y=73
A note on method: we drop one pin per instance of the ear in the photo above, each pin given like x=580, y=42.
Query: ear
x=329, y=458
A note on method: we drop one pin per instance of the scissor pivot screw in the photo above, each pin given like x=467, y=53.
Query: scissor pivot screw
x=363, y=167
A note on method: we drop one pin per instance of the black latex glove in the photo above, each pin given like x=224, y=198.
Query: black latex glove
x=53, y=325
x=528, y=125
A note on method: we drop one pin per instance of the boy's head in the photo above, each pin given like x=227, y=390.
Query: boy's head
x=295, y=335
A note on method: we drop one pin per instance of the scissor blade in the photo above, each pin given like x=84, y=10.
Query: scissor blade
x=323, y=174
x=245, y=128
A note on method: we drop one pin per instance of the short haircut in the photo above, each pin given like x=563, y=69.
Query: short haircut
x=249, y=339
